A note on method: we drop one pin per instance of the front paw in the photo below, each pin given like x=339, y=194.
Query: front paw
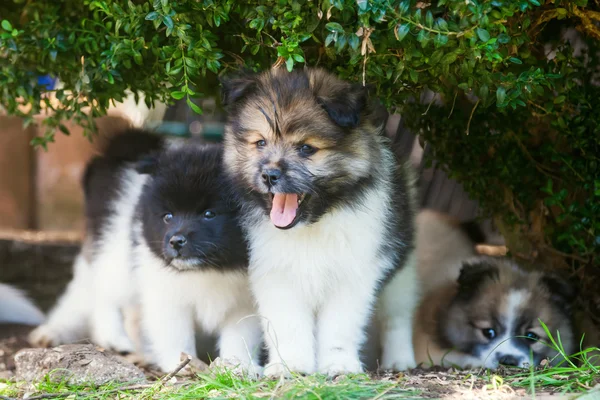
x=247, y=369
x=278, y=369
x=45, y=336
x=340, y=364
x=401, y=362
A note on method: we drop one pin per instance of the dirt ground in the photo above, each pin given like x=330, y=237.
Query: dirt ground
x=433, y=383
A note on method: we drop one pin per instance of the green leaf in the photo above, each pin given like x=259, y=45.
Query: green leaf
x=334, y=27
x=414, y=75
x=298, y=58
x=559, y=99
x=64, y=129
x=6, y=25
x=429, y=19
x=178, y=95
x=152, y=16
x=515, y=60
x=190, y=62
x=449, y=58
x=440, y=40
x=402, y=31
x=193, y=106
x=168, y=21
x=535, y=2
x=483, y=35
x=289, y=64
x=464, y=86
x=442, y=24
x=500, y=95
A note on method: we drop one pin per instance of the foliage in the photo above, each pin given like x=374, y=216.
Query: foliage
x=519, y=128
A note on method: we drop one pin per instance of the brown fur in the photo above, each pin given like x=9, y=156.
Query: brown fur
x=441, y=319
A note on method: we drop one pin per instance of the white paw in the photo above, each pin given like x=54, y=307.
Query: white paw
x=277, y=369
x=120, y=344
x=244, y=369
x=340, y=364
x=401, y=362
x=46, y=336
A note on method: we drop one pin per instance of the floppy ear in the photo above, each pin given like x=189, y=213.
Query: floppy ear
x=472, y=275
x=345, y=105
x=562, y=293
x=147, y=164
x=236, y=87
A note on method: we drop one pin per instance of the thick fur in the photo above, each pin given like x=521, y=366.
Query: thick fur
x=16, y=308
x=317, y=282
x=70, y=320
x=467, y=296
x=137, y=272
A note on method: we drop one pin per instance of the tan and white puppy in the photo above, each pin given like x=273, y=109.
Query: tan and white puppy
x=483, y=311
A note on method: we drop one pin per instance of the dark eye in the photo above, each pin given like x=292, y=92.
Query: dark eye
x=489, y=333
x=261, y=143
x=167, y=217
x=532, y=335
x=209, y=214
x=307, y=150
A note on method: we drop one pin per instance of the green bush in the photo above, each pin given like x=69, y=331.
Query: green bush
x=519, y=130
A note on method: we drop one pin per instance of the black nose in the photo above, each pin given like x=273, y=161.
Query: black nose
x=177, y=241
x=509, y=360
x=271, y=176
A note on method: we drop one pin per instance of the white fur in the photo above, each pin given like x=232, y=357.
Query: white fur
x=316, y=286
x=174, y=302
x=395, y=313
x=123, y=279
x=503, y=345
x=16, y=308
x=68, y=321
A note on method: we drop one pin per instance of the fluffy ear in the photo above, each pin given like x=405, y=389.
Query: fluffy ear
x=472, y=275
x=234, y=88
x=345, y=105
x=562, y=293
x=147, y=164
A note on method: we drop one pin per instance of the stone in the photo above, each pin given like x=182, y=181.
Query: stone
x=75, y=364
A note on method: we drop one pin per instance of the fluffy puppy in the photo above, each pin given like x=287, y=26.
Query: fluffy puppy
x=484, y=311
x=105, y=190
x=191, y=260
x=328, y=214
x=163, y=241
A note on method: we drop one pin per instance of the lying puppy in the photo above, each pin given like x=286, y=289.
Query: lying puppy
x=483, y=311
x=169, y=243
x=328, y=214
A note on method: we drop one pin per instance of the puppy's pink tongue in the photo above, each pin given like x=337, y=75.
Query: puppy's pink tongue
x=284, y=209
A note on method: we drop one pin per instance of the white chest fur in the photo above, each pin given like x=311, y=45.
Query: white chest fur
x=315, y=285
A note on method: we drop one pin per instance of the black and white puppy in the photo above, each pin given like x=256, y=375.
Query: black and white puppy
x=328, y=214
x=169, y=245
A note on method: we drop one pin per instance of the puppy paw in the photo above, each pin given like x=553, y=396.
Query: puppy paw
x=278, y=369
x=119, y=344
x=248, y=370
x=401, y=362
x=45, y=336
x=340, y=364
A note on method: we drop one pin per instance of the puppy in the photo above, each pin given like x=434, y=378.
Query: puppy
x=328, y=214
x=164, y=242
x=480, y=311
x=191, y=260
x=104, y=190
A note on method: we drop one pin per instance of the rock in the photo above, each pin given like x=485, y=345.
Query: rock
x=75, y=364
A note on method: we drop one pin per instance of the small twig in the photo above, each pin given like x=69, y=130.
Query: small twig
x=103, y=392
x=430, y=103
x=181, y=366
x=453, y=104
x=471, y=117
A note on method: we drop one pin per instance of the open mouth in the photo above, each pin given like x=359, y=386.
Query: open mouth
x=285, y=209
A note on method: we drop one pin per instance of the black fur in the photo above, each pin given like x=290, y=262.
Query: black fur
x=472, y=275
x=101, y=176
x=187, y=183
